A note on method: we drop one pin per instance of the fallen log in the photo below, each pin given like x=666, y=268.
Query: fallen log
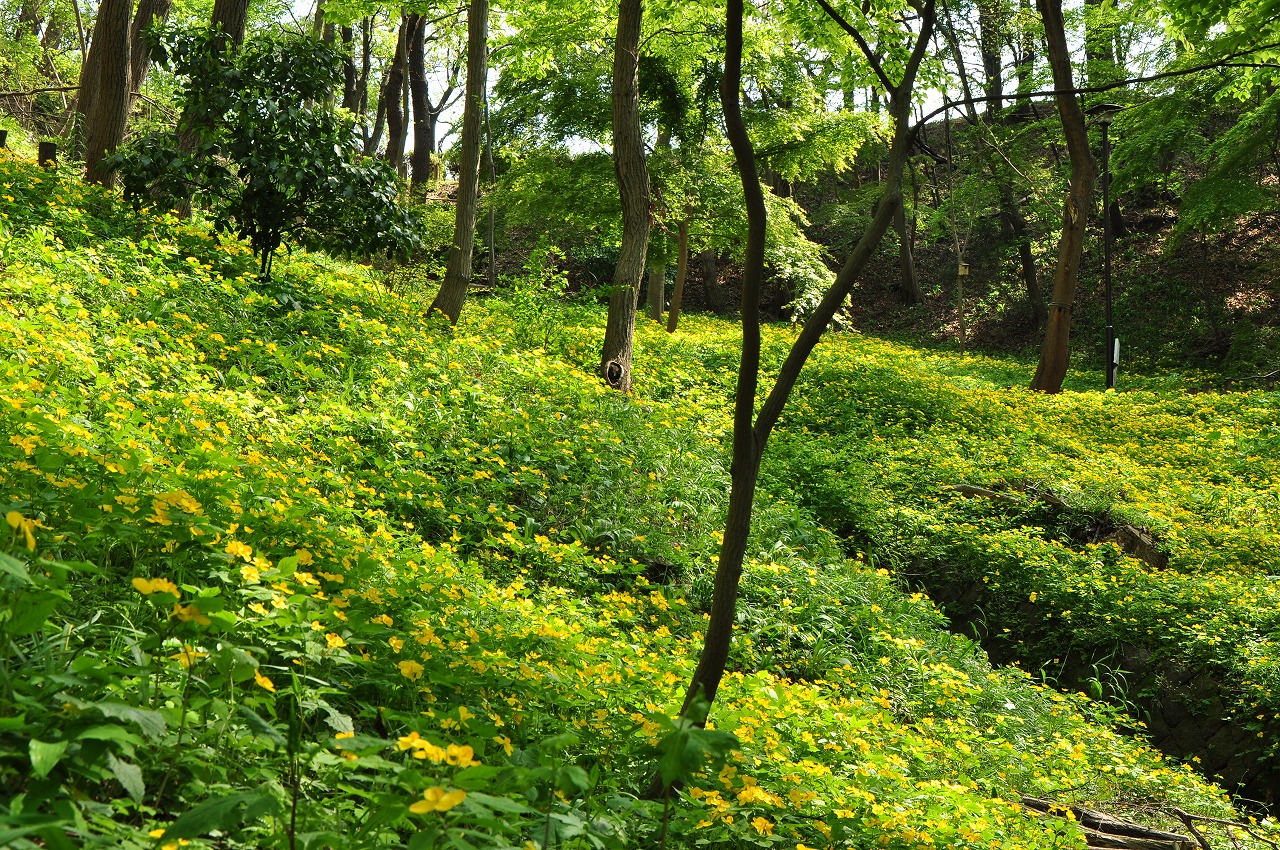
x=1103, y=830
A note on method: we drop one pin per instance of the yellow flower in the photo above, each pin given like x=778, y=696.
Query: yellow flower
x=190, y=614
x=462, y=756
x=335, y=641
x=305, y=557
x=437, y=800
x=410, y=669
x=409, y=741
x=236, y=548
x=505, y=742
x=264, y=682
x=763, y=826
x=250, y=574
x=397, y=644
x=188, y=655
x=148, y=586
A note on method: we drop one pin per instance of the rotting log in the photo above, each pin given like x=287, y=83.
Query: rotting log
x=1103, y=830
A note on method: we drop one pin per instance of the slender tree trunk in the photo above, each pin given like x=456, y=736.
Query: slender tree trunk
x=657, y=286
x=1099, y=47
x=750, y=437
x=104, y=125
x=906, y=264
x=453, y=291
x=633, y=187
x=1021, y=231
x=139, y=52
x=712, y=294
x=374, y=141
x=682, y=271
x=423, y=132
x=366, y=65
x=350, y=76
x=1079, y=204
x=991, y=25
x=1026, y=63
x=391, y=95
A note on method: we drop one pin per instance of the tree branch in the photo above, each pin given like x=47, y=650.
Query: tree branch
x=38, y=91
x=862, y=44
x=1225, y=62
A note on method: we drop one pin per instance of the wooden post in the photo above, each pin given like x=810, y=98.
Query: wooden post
x=48, y=154
x=4, y=137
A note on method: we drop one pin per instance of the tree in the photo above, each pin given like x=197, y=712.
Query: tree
x=751, y=430
x=453, y=291
x=392, y=92
x=1055, y=351
x=633, y=188
x=149, y=12
x=277, y=161
x=105, y=79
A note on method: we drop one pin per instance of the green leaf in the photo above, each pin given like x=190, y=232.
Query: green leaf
x=30, y=611
x=150, y=722
x=261, y=727
x=45, y=756
x=224, y=813
x=129, y=776
x=108, y=732
x=15, y=568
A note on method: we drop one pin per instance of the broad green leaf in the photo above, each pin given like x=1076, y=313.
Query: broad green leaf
x=150, y=722
x=129, y=776
x=45, y=756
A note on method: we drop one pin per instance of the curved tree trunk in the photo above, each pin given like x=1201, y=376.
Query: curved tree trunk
x=906, y=263
x=453, y=291
x=633, y=187
x=105, y=122
x=1079, y=204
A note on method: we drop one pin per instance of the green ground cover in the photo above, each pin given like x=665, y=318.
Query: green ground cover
x=291, y=567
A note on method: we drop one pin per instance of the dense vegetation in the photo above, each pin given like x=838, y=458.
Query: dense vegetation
x=289, y=568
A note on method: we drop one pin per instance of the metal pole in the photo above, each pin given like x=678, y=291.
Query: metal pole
x=1106, y=255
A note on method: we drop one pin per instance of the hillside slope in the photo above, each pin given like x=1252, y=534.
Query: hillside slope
x=292, y=567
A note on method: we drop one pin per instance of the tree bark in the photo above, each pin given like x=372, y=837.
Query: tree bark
x=1026, y=62
x=906, y=264
x=749, y=438
x=657, y=295
x=350, y=75
x=391, y=94
x=423, y=132
x=633, y=188
x=1079, y=204
x=232, y=16
x=682, y=271
x=453, y=291
x=109, y=55
x=374, y=139
x=991, y=25
x=149, y=11
x=712, y=294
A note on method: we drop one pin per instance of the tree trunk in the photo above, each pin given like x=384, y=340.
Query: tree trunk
x=633, y=188
x=682, y=271
x=657, y=286
x=374, y=140
x=1026, y=63
x=1079, y=203
x=991, y=25
x=1017, y=223
x=109, y=55
x=712, y=294
x=423, y=133
x=350, y=75
x=906, y=264
x=391, y=95
x=749, y=438
x=139, y=53
x=231, y=16
x=453, y=291
x=1099, y=47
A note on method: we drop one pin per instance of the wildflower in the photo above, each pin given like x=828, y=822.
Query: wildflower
x=763, y=826
x=410, y=669
x=242, y=550
x=437, y=800
x=264, y=682
x=21, y=524
x=397, y=644
x=190, y=614
x=148, y=586
x=335, y=641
